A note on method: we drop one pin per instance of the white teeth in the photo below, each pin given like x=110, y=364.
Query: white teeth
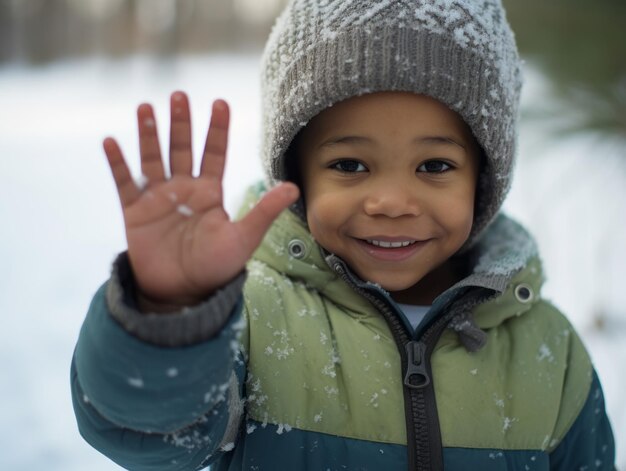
x=390, y=245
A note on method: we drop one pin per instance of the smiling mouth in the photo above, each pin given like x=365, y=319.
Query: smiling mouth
x=392, y=249
x=390, y=245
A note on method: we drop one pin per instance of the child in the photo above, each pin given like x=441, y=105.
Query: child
x=391, y=318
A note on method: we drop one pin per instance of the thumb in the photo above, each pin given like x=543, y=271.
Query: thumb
x=256, y=223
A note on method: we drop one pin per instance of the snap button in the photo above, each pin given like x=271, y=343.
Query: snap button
x=523, y=293
x=297, y=249
x=338, y=268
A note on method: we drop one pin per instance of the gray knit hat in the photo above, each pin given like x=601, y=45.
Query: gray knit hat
x=460, y=52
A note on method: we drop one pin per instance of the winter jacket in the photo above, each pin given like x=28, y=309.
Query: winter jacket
x=308, y=367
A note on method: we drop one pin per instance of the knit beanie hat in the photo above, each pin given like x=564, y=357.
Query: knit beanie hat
x=460, y=52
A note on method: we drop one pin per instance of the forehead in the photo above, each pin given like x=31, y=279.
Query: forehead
x=387, y=113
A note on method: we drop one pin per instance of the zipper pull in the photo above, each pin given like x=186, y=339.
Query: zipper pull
x=416, y=376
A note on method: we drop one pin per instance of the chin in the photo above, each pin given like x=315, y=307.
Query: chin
x=393, y=285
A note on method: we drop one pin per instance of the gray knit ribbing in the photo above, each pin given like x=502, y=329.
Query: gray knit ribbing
x=176, y=329
x=460, y=52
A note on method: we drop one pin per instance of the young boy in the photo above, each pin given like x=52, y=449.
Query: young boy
x=391, y=318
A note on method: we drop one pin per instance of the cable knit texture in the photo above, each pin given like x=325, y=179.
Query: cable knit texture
x=460, y=52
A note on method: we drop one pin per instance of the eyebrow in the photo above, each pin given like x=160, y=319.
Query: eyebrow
x=439, y=140
x=346, y=140
x=366, y=140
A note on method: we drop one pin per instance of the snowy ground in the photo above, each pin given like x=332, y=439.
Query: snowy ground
x=62, y=227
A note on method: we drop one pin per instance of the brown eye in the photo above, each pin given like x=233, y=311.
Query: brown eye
x=434, y=166
x=349, y=166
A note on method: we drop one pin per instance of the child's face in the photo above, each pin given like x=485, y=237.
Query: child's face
x=389, y=181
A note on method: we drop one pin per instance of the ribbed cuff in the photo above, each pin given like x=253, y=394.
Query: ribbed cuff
x=188, y=326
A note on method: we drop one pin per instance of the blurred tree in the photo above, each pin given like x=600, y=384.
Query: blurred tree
x=40, y=31
x=580, y=46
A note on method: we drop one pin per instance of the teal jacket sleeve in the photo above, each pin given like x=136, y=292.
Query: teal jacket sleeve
x=589, y=443
x=152, y=407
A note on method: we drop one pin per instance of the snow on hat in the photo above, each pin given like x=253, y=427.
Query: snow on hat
x=460, y=52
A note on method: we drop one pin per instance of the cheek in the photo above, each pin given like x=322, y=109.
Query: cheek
x=326, y=218
x=320, y=216
x=456, y=215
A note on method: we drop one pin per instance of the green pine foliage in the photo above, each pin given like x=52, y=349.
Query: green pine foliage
x=581, y=46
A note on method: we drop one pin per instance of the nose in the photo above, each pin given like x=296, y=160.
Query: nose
x=392, y=198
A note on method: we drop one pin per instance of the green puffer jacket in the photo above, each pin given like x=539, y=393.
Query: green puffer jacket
x=315, y=369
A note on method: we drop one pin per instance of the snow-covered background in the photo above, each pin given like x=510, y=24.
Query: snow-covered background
x=61, y=225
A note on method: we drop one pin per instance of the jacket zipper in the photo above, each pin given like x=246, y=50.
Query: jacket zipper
x=424, y=447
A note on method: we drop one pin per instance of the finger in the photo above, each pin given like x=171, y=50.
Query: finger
x=151, y=163
x=126, y=187
x=180, y=135
x=256, y=223
x=214, y=155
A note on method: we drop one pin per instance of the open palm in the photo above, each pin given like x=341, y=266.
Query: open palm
x=181, y=243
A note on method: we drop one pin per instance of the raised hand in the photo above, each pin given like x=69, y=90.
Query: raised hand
x=181, y=243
